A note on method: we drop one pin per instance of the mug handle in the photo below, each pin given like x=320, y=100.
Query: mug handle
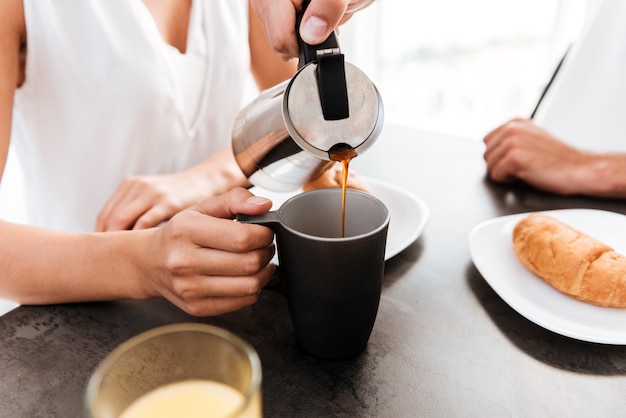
x=276, y=283
x=269, y=219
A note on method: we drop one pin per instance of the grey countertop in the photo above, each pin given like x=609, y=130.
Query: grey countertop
x=444, y=343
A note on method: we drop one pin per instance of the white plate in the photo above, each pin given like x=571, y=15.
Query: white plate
x=409, y=213
x=491, y=248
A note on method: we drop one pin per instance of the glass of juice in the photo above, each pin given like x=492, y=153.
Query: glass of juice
x=181, y=370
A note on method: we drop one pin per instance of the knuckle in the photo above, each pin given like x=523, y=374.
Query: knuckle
x=515, y=127
x=181, y=288
x=283, y=45
x=196, y=309
x=255, y=261
x=118, y=220
x=252, y=286
x=144, y=223
x=176, y=262
x=515, y=157
x=510, y=129
x=177, y=227
x=241, y=238
x=279, y=43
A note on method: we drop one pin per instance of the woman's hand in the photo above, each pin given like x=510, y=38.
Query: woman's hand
x=145, y=201
x=208, y=264
x=320, y=19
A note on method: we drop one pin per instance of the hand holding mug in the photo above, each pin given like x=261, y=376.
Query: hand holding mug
x=205, y=263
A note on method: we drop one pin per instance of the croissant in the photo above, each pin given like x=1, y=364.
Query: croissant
x=571, y=261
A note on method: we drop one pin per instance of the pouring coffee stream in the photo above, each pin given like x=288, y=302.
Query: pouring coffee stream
x=292, y=133
x=343, y=153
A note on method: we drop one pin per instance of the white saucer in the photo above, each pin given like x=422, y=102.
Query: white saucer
x=409, y=213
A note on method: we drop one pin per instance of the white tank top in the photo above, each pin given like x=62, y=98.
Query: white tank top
x=586, y=105
x=106, y=97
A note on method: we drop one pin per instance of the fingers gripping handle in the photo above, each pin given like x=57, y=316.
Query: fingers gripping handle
x=330, y=74
x=268, y=219
x=309, y=53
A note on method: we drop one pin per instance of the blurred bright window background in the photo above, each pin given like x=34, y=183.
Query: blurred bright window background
x=461, y=66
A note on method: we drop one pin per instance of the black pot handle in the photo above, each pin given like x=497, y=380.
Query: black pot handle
x=331, y=72
x=308, y=53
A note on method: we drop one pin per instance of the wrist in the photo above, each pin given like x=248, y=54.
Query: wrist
x=605, y=176
x=218, y=174
x=127, y=260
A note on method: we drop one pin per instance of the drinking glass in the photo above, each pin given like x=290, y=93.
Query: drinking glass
x=188, y=369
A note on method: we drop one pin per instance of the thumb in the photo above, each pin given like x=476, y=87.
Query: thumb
x=320, y=20
x=234, y=202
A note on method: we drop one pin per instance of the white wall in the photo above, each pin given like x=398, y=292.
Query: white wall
x=460, y=66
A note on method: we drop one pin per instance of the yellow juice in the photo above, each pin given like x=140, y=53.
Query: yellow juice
x=191, y=399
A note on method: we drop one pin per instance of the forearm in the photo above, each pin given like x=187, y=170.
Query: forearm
x=41, y=266
x=268, y=68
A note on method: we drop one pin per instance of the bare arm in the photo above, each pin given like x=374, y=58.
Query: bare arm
x=521, y=150
x=36, y=265
x=201, y=260
x=268, y=68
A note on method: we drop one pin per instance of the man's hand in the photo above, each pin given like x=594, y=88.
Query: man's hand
x=521, y=150
x=320, y=19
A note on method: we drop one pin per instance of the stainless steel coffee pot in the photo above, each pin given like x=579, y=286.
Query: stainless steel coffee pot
x=293, y=132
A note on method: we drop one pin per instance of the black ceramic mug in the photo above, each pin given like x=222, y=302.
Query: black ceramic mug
x=332, y=283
